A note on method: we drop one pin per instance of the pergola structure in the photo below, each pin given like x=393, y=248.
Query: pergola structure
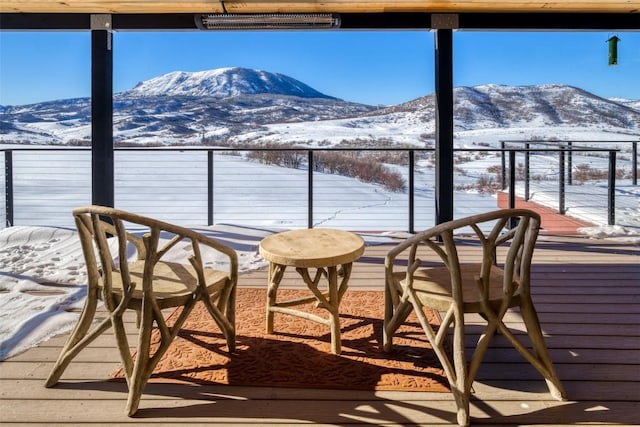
x=101, y=17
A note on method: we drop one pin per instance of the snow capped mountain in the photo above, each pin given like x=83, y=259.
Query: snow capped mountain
x=223, y=82
x=241, y=106
x=546, y=105
x=500, y=106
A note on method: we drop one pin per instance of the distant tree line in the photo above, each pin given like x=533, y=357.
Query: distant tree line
x=352, y=164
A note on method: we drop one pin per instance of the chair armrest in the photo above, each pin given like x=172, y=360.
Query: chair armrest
x=412, y=244
x=229, y=252
x=198, y=238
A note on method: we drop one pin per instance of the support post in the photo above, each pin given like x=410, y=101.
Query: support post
x=512, y=179
x=527, y=171
x=634, y=163
x=8, y=190
x=570, y=163
x=102, y=157
x=310, y=190
x=561, y=188
x=444, y=125
x=611, y=189
x=512, y=186
x=210, y=187
x=503, y=166
x=412, y=166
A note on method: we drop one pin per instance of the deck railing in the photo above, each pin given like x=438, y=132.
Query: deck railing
x=566, y=151
x=194, y=185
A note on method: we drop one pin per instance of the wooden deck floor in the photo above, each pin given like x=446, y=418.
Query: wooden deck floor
x=588, y=296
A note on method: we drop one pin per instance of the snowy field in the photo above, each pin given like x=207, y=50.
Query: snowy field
x=172, y=185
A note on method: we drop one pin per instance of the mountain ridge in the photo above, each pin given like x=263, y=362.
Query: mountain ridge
x=224, y=82
x=238, y=105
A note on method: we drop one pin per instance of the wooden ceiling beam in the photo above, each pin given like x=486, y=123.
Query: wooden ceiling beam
x=301, y=6
x=349, y=21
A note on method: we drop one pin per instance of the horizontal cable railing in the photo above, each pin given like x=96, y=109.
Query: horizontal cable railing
x=391, y=188
x=575, y=168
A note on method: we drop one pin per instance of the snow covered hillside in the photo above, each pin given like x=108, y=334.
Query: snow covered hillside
x=242, y=106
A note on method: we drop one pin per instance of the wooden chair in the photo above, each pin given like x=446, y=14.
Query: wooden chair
x=147, y=285
x=488, y=286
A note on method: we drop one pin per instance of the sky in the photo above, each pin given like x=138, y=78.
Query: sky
x=371, y=67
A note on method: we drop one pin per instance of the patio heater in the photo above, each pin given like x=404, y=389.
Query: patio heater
x=267, y=21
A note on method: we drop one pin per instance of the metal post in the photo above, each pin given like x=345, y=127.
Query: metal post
x=444, y=125
x=570, y=164
x=611, y=189
x=102, y=163
x=512, y=186
x=210, y=187
x=512, y=179
x=561, y=190
x=634, y=162
x=503, y=164
x=412, y=156
x=8, y=191
x=310, y=190
x=527, y=175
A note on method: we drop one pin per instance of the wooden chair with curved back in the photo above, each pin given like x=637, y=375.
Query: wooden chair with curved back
x=147, y=284
x=488, y=286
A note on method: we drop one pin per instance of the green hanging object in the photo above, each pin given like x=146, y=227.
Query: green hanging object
x=613, y=50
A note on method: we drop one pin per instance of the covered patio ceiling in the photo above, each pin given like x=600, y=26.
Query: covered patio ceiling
x=337, y=6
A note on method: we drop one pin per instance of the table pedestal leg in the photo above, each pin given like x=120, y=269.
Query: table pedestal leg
x=334, y=313
x=329, y=300
x=276, y=272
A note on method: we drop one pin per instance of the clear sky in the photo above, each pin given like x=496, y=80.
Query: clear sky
x=381, y=67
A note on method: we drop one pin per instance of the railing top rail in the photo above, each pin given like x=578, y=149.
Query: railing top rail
x=605, y=141
x=571, y=142
x=538, y=150
x=301, y=149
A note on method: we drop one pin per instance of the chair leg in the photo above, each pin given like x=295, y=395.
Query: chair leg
x=146, y=362
x=456, y=370
x=230, y=313
x=393, y=320
x=462, y=404
x=547, y=369
x=140, y=374
x=143, y=366
x=394, y=316
x=224, y=317
x=77, y=340
x=458, y=380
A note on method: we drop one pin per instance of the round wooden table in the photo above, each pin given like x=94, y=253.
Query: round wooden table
x=330, y=252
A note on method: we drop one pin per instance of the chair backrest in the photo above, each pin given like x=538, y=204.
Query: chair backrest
x=515, y=230
x=106, y=257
